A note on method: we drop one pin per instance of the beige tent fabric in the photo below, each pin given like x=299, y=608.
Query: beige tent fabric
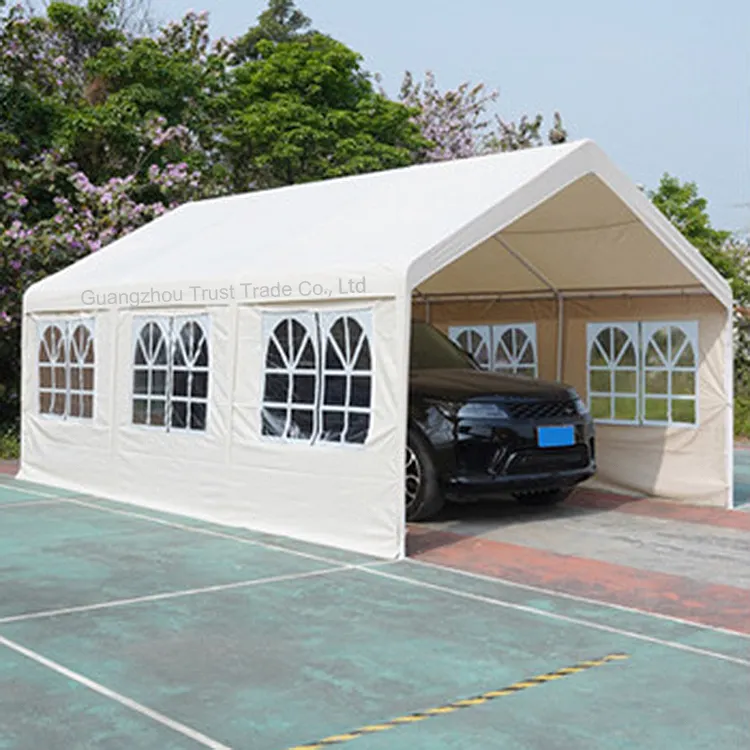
x=680, y=463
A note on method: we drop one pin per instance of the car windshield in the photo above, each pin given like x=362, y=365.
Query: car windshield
x=432, y=350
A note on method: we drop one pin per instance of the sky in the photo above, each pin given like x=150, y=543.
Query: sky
x=660, y=85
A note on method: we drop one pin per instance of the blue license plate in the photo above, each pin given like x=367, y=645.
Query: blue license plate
x=556, y=437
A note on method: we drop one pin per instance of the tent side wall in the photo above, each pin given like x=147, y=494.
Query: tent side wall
x=677, y=462
x=348, y=496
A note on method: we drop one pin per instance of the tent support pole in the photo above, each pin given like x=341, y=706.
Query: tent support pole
x=539, y=275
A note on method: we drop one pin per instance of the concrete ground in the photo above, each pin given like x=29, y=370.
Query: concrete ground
x=604, y=624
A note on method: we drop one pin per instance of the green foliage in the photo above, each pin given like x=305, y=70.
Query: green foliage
x=688, y=211
x=280, y=22
x=742, y=416
x=304, y=110
x=10, y=444
x=730, y=256
x=104, y=127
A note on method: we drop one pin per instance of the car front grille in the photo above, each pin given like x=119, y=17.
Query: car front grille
x=535, y=460
x=541, y=409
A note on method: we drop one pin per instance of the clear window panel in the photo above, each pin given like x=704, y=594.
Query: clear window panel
x=683, y=411
x=601, y=407
x=657, y=409
x=626, y=409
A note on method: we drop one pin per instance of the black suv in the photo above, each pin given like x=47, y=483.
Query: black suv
x=474, y=433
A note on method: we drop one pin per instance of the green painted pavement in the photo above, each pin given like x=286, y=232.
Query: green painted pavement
x=268, y=668
x=57, y=556
x=279, y=664
x=40, y=709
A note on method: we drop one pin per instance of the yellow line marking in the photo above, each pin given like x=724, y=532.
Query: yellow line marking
x=448, y=708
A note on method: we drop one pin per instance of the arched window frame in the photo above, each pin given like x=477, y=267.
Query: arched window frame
x=154, y=387
x=476, y=340
x=488, y=340
x=523, y=337
x=358, y=377
x=190, y=375
x=318, y=327
x=66, y=382
x=82, y=360
x=619, y=374
x=671, y=368
x=150, y=383
x=278, y=397
x=642, y=332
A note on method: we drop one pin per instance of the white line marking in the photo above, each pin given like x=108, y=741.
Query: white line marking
x=171, y=595
x=123, y=700
x=444, y=589
x=205, y=532
x=554, y=616
x=576, y=598
x=23, y=490
x=28, y=504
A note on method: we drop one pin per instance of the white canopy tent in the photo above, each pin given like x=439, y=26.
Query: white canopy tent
x=245, y=359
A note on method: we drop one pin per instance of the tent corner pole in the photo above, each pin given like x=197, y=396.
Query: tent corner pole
x=558, y=294
x=560, y=335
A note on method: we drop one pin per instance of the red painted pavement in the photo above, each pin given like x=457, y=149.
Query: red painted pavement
x=9, y=467
x=676, y=596
x=672, y=511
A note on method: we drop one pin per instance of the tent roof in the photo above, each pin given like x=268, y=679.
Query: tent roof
x=566, y=209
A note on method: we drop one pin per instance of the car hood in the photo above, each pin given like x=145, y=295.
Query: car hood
x=477, y=385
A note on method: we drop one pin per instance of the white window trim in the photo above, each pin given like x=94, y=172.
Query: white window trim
x=483, y=331
x=691, y=330
x=318, y=325
x=631, y=329
x=170, y=326
x=327, y=321
x=643, y=332
x=491, y=335
x=139, y=323
x=204, y=321
x=67, y=325
x=498, y=331
x=308, y=320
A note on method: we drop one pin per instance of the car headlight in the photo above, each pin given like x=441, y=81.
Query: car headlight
x=482, y=410
x=581, y=407
x=472, y=410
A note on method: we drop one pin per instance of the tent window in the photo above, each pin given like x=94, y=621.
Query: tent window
x=318, y=375
x=670, y=373
x=291, y=379
x=171, y=374
x=81, y=372
x=508, y=348
x=66, y=369
x=613, y=372
x=643, y=373
x=347, y=381
x=475, y=340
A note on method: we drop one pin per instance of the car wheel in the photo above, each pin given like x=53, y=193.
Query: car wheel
x=543, y=497
x=423, y=497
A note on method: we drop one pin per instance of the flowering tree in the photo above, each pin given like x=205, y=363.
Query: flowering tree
x=456, y=121
x=104, y=128
x=52, y=215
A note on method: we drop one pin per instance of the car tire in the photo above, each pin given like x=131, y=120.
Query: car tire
x=423, y=497
x=543, y=498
